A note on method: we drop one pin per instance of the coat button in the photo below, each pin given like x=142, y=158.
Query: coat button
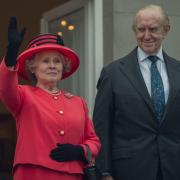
x=55, y=97
x=61, y=112
x=61, y=132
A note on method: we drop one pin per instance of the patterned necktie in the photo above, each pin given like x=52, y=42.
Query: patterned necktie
x=157, y=89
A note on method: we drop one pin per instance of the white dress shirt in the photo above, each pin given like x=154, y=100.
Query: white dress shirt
x=145, y=65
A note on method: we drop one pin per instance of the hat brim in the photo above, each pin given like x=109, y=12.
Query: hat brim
x=27, y=54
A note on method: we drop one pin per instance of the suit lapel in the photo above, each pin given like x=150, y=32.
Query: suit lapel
x=173, y=71
x=130, y=67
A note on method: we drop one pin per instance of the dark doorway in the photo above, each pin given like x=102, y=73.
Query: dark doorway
x=7, y=146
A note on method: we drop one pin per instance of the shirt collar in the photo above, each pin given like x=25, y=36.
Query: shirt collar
x=143, y=56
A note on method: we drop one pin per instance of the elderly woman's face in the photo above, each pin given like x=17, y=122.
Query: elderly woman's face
x=48, y=67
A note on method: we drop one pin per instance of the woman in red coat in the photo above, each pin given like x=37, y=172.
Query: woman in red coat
x=53, y=127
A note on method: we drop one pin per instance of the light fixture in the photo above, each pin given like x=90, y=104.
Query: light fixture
x=63, y=23
x=71, y=27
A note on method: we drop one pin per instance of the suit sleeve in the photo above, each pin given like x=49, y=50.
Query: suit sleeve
x=10, y=93
x=102, y=117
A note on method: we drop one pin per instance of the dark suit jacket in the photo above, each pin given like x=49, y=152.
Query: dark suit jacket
x=133, y=141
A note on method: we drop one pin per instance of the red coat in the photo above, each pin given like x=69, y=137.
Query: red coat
x=43, y=120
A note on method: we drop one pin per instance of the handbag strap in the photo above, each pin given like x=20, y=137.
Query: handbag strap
x=89, y=155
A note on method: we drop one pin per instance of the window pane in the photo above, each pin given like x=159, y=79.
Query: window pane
x=72, y=28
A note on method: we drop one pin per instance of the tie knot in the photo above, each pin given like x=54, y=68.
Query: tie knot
x=153, y=58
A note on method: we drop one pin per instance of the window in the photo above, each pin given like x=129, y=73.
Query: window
x=86, y=39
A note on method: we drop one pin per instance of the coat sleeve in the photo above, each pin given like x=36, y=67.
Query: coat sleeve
x=90, y=137
x=102, y=118
x=9, y=90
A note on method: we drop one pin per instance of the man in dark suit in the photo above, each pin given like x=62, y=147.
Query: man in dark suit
x=137, y=107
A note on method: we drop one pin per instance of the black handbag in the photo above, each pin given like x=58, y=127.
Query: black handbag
x=91, y=172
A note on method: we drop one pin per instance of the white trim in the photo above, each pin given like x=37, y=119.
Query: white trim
x=64, y=9
x=43, y=26
x=90, y=86
x=98, y=6
x=94, y=48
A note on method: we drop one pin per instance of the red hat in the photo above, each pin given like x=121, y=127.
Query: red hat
x=46, y=42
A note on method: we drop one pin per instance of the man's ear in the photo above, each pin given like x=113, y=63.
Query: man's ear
x=166, y=29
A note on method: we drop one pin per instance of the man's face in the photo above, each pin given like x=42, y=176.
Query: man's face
x=149, y=30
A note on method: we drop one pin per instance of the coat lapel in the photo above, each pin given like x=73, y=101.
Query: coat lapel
x=130, y=67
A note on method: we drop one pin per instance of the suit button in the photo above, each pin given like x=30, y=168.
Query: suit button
x=61, y=132
x=61, y=112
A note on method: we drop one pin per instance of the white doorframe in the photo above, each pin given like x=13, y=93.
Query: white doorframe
x=93, y=40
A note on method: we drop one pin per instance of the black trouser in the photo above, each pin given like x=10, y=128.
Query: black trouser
x=159, y=173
